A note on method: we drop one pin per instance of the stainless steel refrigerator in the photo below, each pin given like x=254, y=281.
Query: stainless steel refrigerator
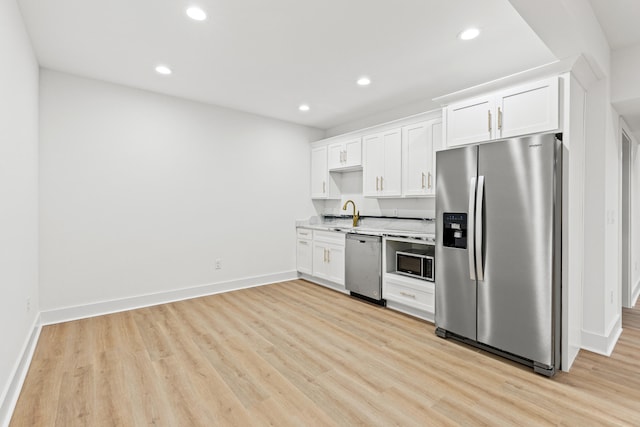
x=498, y=248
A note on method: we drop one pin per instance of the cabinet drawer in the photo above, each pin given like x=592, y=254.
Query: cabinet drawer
x=334, y=237
x=304, y=233
x=417, y=296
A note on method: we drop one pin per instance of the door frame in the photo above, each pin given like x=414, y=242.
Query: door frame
x=628, y=299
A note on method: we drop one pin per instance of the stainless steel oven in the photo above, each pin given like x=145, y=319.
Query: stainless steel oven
x=416, y=263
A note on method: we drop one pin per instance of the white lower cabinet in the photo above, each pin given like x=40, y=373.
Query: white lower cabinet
x=328, y=262
x=304, y=251
x=328, y=256
x=406, y=294
x=320, y=254
x=415, y=293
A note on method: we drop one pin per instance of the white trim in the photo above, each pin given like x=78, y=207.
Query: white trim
x=434, y=114
x=16, y=379
x=603, y=344
x=636, y=294
x=66, y=314
x=326, y=283
x=414, y=312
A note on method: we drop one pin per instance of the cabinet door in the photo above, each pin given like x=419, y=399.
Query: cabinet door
x=319, y=173
x=353, y=153
x=529, y=108
x=373, y=165
x=416, y=158
x=336, y=156
x=391, y=180
x=304, y=256
x=420, y=296
x=437, y=145
x=470, y=121
x=320, y=268
x=335, y=263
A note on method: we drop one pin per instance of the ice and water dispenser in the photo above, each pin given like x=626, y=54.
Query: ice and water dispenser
x=454, y=230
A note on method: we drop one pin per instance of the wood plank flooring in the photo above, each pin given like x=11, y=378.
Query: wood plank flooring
x=298, y=354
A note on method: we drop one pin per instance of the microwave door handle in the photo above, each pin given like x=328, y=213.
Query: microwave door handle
x=479, y=228
x=471, y=248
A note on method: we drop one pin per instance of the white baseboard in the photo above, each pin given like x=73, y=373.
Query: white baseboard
x=635, y=294
x=603, y=344
x=429, y=317
x=67, y=314
x=18, y=375
x=322, y=282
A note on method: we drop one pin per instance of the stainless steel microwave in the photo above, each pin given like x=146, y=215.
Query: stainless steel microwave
x=415, y=263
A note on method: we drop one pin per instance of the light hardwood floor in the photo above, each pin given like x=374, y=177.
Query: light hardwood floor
x=298, y=354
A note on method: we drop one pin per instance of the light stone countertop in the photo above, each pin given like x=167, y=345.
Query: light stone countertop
x=409, y=228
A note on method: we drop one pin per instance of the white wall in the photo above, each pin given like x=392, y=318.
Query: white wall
x=601, y=295
x=635, y=220
x=141, y=193
x=18, y=195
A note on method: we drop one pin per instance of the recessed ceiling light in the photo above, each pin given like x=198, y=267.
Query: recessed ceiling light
x=196, y=14
x=303, y=107
x=364, y=81
x=469, y=33
x=163, y=69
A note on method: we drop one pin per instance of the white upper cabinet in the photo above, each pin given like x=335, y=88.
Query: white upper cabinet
x=528, y=109
x=519, y=110
x=418, y=158
x=382, y=166
x=470, y=121
x=323, y=185
x=345, y=155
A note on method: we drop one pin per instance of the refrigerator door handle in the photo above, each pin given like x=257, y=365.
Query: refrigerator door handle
x=471, y=234
x=478, y=228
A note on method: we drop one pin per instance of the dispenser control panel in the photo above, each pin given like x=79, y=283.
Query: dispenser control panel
x=454, y=230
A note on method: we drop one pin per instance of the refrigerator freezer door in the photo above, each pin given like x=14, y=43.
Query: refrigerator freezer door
x=515, y=297
x=455, y=294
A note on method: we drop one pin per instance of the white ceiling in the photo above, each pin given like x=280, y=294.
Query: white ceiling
x=619, y=20
x=269, y=56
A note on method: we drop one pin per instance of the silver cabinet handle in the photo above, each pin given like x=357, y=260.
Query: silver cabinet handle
x=489, y=121
x=471, y=250
x=377, y=186
x=422, y=181
x=429, y=180
x=478, y=226
x=303, y=242
x=345, y=156
x=325, y=254
x=499, y=119
x=407, y=295
x=329, y=256
x=324, y=187
x=381, y=183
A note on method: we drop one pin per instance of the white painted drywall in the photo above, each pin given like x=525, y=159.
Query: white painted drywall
x=141, y=192
x=18, y=193
x=573, y=217
x=635, y=220
x=601, y=294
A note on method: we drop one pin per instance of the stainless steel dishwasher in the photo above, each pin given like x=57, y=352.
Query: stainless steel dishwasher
x=363, y=267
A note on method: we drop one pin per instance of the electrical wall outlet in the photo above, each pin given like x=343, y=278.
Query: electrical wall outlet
x=28, y=304
x=218, y=264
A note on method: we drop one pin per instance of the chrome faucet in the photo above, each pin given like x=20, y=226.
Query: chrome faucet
x=356, y=216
